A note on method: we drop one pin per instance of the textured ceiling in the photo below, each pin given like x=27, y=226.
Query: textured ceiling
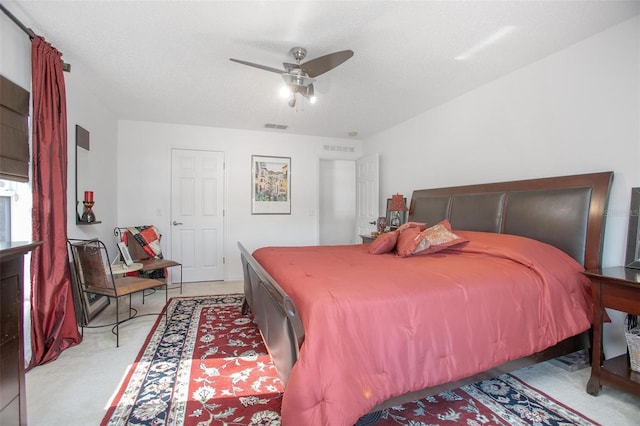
x=168, y=61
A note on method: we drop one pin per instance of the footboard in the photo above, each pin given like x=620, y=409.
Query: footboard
x=274, y=312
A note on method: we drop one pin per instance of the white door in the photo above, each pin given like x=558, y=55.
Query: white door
x=197, y=214
x=367, y=194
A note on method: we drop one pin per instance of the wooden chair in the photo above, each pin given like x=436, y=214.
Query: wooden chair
x=139, y=255
x=94, y=274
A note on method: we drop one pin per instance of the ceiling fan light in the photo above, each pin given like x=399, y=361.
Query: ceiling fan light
x=312, y=100
x=285, y=92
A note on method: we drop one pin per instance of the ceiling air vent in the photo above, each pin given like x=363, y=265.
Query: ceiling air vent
x=338, y=148
x=276, y=126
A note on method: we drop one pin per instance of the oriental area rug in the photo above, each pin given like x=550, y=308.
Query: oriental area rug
x=209, y=366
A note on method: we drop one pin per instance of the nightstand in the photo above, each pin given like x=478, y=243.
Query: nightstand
x=616, y=288
x=366, y=239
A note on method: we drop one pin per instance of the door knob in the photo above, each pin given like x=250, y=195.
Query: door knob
x=176, y=223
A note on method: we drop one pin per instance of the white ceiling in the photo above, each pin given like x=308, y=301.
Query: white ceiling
x=169, y=61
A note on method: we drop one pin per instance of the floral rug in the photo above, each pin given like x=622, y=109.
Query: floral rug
x=209, y=366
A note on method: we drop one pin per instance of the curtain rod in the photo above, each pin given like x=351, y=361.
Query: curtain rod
x=29, y=32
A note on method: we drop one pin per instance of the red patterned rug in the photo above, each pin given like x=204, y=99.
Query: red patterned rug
x=209, y=366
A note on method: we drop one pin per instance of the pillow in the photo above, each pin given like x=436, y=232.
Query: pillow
x=431, y=240
x=445, y=223
x=384, y=243
x=438, y=237
x=421, y=226
x=408, y=241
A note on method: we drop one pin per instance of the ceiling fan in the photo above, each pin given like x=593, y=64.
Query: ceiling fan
x=299, y=77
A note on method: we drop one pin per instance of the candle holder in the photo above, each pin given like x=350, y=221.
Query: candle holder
x=88, y=215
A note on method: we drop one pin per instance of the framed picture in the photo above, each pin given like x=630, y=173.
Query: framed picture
x=87, y=305
x=403, y=215
x=124, y=253
x=633, y=234
x=270, y=185
x=93, y=304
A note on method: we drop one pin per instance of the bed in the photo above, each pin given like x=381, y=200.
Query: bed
x=352, y=333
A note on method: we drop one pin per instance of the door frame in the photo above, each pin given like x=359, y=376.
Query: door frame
x=358, y=155
x=318, y=224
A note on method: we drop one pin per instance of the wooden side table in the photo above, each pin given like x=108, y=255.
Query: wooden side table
x=616, y=288
x=366, y=239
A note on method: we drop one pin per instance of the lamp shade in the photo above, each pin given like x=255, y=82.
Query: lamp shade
x=397, y=204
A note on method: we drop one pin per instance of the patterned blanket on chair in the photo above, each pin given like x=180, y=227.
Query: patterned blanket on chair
x=148, y=237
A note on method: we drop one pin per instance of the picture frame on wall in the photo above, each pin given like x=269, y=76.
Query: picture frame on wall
x=270, y=185
x=633, y=233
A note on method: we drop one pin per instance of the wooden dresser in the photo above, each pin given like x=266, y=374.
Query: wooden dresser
x=13, y=406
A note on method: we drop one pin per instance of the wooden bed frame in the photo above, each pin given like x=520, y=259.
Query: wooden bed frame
x=568, y=212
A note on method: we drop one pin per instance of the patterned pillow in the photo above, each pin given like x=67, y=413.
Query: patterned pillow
x=445, y=223
x=384, y=243
x=437, y=238
x=431, y=240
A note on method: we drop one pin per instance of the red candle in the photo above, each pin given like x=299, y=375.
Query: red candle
x=88, y=195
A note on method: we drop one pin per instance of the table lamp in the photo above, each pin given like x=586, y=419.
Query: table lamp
x=396, y=206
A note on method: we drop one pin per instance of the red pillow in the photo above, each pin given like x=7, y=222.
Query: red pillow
x=407, y=241
x=419, y=225
x=384, y=243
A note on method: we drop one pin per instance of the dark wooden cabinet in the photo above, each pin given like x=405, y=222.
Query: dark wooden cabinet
x=13, y=407
x=616, y=288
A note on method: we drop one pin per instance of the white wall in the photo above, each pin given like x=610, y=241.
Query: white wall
x=576, y=111
x=15, y=53
x=84, y=109
x=143, y=168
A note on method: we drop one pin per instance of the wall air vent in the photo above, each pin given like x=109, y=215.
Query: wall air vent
x=338, y=148
x=275, y=126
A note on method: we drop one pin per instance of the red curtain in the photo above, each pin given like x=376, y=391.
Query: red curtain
x=53, y=318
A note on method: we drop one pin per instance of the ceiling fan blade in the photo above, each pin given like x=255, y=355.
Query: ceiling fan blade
x=262, y=67
x=288, y=66
x=317, y=66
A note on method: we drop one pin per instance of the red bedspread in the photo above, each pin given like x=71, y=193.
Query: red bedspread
x=381, y=326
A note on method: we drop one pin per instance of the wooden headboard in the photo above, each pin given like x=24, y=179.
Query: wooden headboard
x=567, y=212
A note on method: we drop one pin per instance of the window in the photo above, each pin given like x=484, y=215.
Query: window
x=5, y=218
x=15, y=211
